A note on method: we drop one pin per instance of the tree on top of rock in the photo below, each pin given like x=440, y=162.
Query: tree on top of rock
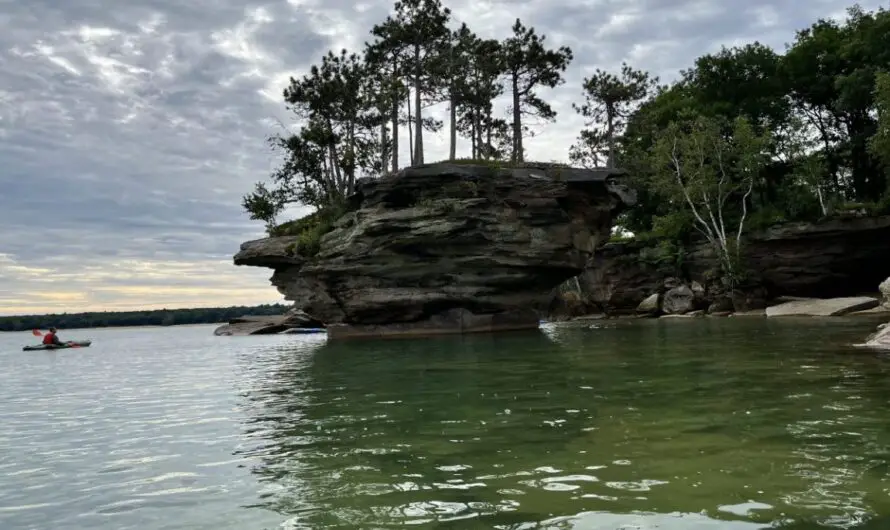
x=415, y=37
x=528, y=65
x=337, y=139
x=483, y=84
x=608, y=101
x=450, y=67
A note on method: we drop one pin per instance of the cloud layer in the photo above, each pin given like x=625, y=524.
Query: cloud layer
x=129, y=134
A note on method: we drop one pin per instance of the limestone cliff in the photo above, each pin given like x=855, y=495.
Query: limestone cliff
x=833, y=258
x=447, y=248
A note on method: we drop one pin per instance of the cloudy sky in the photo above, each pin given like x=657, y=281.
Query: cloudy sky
x=129, y=130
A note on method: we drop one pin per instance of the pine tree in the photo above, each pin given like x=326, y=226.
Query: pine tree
x=483, y=84
x=382, y=61
x=415, y=36
x=450, y=68
x=338, y=138
x=608, y=101
x=527, y=66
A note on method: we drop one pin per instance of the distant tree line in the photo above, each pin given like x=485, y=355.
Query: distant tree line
x=746, y=137
x=160, y=317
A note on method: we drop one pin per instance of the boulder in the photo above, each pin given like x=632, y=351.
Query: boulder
x=678, y=301
x=417, y=247
x=721, y=305
x=831, y=307
x=880, y=339
x=651, y=305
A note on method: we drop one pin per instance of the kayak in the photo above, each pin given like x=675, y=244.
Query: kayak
x=69, y=344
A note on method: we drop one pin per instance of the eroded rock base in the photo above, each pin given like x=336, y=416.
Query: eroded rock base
x=452, y=322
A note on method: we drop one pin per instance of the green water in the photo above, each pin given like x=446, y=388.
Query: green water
x=657, y=424
x=735, y=424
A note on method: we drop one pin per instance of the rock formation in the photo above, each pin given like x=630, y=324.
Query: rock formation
x=447, y=248
x=268, y=325
x=832, y=307
x=835, y=258
x=880, y=339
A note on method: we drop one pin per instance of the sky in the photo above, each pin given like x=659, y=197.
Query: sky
x=129, y=134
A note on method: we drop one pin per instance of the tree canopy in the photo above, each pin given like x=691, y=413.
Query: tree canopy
x=793, y=135
x=351, y=106
x=822, y=103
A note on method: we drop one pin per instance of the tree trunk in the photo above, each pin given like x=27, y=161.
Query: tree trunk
x=410, y=131
x=488, y=132
x=394, y=118
x=473, y=153
x=452, y=154
x=517, y=122
x=418, y=117
x=384, y=149
x=350, y=173
x=610, y=134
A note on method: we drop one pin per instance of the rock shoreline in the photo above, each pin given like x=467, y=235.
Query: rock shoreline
x=835, y=258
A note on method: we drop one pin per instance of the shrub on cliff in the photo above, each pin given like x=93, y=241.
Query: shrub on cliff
x=310, y=229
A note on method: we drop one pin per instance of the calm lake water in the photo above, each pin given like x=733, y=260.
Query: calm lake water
x=732, y=424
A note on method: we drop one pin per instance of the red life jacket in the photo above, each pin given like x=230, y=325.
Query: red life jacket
x=49, y=338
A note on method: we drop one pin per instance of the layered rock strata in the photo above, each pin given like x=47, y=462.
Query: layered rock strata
x=835, y=258
x=447, y=248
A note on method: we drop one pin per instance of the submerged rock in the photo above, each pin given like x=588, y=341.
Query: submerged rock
x=447, y=248
x=880, y=339
x=268, y=325
x=832, y=307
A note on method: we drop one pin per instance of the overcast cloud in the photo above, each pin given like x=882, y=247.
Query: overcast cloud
x=130, y=130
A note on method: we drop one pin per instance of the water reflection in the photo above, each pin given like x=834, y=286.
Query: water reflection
x=721, y=424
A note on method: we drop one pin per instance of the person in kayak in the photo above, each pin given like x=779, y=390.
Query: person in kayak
x=52, y=339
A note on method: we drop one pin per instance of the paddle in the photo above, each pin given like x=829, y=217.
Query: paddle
x=37, y=333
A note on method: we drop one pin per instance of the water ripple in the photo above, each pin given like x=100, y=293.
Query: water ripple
x=633, y=425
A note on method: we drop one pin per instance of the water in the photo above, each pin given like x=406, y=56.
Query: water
x=730, y=424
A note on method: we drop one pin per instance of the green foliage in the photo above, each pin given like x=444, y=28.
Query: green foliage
x=879, y=144
x=350, y=106
x=608, y=101
x=764, y=137
x=664, y=254
x=711, y=167
x=310, y=229
x=160, y=317
x=821, y=106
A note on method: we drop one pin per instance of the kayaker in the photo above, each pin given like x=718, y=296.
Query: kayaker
x=51, y=338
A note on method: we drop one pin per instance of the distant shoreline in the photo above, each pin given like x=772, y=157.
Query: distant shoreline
x=155, y=317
